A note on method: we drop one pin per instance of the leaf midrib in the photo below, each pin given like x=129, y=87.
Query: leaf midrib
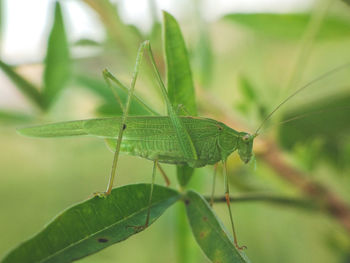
x=97, y=232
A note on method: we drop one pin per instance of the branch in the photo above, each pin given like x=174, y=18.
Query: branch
x=269, y=152
x=279, y=200
x=336, y=207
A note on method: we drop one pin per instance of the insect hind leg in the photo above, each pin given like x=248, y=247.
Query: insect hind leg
x=166, y=178
x=124, y=118
x=227, y=197
x=142, y=227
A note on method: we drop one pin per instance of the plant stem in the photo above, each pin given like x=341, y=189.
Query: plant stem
x=281, y=200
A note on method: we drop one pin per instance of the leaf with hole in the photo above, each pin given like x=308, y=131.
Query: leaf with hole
x=94, y=225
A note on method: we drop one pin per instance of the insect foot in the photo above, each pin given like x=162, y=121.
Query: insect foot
x=100, y=194
x=240, y=248
x=138, y=228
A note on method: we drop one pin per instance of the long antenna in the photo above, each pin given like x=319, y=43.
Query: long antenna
x=313, y=113
x=298, y=91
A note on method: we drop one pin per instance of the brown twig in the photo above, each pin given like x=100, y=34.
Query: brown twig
x=336, y=207
x=268, y=198
x=268, y=151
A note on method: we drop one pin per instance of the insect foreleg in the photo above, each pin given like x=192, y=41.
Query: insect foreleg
x=227, y=197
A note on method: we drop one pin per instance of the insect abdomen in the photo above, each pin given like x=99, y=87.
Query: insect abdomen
x=155, y=138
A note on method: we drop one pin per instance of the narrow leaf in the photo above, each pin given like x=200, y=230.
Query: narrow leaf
x=179, y=78
x=204, y=57
x=290, y=26
x=14, y=117
x=87, y=42
x=209, y=232
x=247, y=89
x=326, y=119
x=28, y=89
x=94, y=225
x=184, y=174
x=57, y=61
x=124, y=37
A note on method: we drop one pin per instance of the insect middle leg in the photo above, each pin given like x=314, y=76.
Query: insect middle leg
x=227, y=197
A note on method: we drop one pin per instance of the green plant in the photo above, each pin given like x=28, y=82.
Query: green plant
x=309, y=189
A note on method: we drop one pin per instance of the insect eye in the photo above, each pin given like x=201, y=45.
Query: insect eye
x=245, y=137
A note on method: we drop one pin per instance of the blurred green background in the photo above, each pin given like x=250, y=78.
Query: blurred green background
x=246, y=58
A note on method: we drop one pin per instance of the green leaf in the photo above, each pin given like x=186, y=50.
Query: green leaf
x=209, y=232
x=184, y=174
x=97, y=86
x=203, y=56
x=57, y=61
x=94, y=225
x=247, y=89
x=179, y=78
x=326, y=119
x=347, y=1
x=290, y=26
x=186, y=250
x=28, y=89
x=12, y=117
x=113, y=109
x=122, y=36
x=87, y=42
x=111, y=106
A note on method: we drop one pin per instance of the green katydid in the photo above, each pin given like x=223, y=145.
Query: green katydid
x=172, y=139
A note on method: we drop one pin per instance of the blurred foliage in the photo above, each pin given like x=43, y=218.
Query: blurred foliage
x=290, y=26
x=324, y=130
x=28, y=89
x=313, y=128
x=57, y=61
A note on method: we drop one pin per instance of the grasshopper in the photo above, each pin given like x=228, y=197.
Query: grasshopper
x=171, y=139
